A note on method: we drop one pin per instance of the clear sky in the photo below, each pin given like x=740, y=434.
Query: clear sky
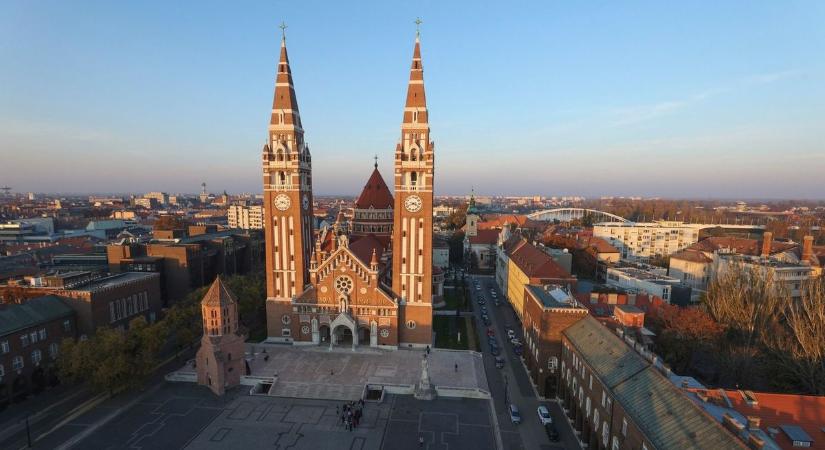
x=674, y=99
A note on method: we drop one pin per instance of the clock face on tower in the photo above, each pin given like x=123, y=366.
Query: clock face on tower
x=282, y=202
x=305, y=202
x=413, y=203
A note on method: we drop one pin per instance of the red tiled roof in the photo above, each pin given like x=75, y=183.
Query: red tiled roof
x=601, y=245
x=499, y=222
x=774, y=410
x=363, y=247
x=742, y=246
x=692, y=256
x=485, y=237
x=376, y=194
x=537, y=264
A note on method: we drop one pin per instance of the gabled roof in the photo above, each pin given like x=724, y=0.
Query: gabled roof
x=537, y=264
x=667, y=417
x=218, y=294
x=33, y=312
x=364, y=246
x=484, y=237
x=375, y=194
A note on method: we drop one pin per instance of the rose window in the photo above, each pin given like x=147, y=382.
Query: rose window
x=343, y=284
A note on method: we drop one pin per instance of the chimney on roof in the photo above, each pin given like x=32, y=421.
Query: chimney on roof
x=807, y=249
x=767, y=238
x=754, y=422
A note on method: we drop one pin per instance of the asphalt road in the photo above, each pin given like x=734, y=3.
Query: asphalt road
x=513, y=377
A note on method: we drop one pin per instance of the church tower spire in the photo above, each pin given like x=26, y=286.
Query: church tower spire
x=287, y=179
x=413, y=211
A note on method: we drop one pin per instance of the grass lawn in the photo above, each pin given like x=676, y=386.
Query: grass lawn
x=447, y=329
x=454, y=298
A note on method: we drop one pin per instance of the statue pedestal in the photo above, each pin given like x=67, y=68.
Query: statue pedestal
x=423, y=389
x=424, y=392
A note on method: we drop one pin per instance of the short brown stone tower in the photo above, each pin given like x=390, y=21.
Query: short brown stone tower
x=220, y=360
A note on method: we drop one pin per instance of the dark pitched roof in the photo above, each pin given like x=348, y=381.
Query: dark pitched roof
x=33, y=312
x=668, y=418
x=218, y=294
x=375, y=194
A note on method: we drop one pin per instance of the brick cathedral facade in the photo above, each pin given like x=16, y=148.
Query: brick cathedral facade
x=370, y=286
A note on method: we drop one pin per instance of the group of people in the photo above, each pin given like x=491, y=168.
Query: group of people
x=351, y=414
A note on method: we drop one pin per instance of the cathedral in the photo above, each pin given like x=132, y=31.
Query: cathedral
x=367, y=284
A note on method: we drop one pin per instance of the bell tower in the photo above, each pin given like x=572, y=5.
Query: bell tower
x=412, y=269
x=287, y=180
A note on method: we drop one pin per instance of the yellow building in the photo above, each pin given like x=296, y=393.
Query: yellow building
x=529, y=265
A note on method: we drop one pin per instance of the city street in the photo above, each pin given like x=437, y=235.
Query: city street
x=511, y=384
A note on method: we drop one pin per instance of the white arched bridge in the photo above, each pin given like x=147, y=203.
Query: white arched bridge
x=568, y=214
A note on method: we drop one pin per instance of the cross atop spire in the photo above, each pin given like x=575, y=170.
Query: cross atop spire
x=283, y=28
x=376, y=160
x=418, y=23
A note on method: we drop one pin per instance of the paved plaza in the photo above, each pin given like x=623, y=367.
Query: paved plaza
x=182, y=415
x=341, y=374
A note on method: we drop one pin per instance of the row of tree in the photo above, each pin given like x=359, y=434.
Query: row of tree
x=752, y=333
x=114, y=359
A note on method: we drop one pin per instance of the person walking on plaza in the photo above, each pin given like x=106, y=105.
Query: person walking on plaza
x=456, y=367
x=420, y=441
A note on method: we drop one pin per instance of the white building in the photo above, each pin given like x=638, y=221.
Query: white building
x=161, y=197
x=442, y=211
x=641, y=281
x=246, y=217
x=640, y=241
x=441, y=254
x=786, y=274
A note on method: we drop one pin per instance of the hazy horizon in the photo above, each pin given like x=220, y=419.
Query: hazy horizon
x=700, y=101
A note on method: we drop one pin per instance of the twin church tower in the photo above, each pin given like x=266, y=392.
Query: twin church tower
x=365, y=283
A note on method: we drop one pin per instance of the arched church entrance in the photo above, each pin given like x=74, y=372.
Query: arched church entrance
x=343, y=336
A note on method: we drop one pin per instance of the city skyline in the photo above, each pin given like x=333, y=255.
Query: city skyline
x=696, y=106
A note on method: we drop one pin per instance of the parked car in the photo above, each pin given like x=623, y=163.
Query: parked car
x=552, y=432
x=515, y=342
x=496, y=302
x=478, y=288
x=515, y=416
x=494, y=350
x=486, y=321
x=484, y=310
x=499, y=362
x=481, y=301
x=518, y=350
x=491, y=331
x=544, y=415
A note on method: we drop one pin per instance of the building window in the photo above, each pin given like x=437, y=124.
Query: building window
x=286, y=332
x=624, y=427
x=615, y=443
x=24, y=340
x=17, y=363
x=411, y=324
x=4, y=347
x=36, y=357
x=33, y=336
x=53, y=350
x=2, y=371
x=42, y=333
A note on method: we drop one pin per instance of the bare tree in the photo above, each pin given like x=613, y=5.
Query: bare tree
x=799, y=345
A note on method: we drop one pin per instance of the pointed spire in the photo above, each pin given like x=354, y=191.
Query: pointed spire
x=374, y=260
x=416, y=98
x=218, y=294
x=285, y=114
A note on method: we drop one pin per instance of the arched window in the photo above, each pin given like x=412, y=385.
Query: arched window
x=413, y=178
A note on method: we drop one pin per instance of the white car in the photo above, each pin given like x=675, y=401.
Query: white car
x=544, y=415
x=511, y=334
x=515, y=416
